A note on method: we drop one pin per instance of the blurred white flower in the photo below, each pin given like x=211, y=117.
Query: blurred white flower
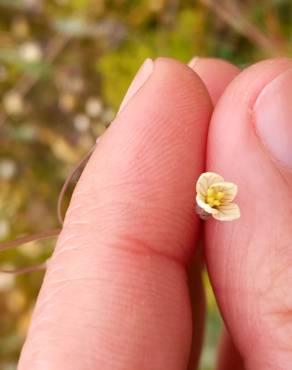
x=7, y=170
x=108, y=115
x=30, y=52
x=67, y=102
x=93, y=107
x=6, y=282
x=4, y=228
x=3, y=73
x=13, y=103
x=215, y=196
x=81, y=122
x=99, y=128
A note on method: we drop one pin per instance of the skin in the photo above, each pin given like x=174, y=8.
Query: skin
x=123, y=290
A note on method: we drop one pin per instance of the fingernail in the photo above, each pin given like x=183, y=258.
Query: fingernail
x=138, y=81
x=273, y=117
x=193, y=62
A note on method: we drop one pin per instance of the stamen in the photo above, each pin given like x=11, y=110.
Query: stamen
x=213, y=198
x=219, y=195
x=210, y=192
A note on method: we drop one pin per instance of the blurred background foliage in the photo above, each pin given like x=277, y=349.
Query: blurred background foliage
x=64, y=67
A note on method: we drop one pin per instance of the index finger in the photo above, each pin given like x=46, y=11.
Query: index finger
x=115, y=295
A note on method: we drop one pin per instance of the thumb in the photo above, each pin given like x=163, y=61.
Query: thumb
x=115, y=295
x=249, y=260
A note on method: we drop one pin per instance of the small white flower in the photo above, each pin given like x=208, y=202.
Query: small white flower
x=215, y=196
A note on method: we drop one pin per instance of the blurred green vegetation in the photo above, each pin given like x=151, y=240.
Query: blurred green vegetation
x=64, y=67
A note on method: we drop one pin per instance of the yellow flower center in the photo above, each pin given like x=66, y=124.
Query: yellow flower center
x=213, y=198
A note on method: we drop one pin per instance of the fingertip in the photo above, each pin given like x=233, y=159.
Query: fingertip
x=241, y=255
x=234, y=115
x=179, y=76
x=215, y=73
x=139, y=80
x=178, y=69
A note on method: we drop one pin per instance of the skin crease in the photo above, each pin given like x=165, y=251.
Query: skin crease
x=113, y=287
x=216, y=75
x=252, y=278
x=228, y=355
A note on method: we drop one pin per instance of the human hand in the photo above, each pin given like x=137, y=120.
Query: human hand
x=116, y=293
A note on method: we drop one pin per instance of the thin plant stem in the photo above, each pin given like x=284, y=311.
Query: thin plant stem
x=46, y=234
x=69, y=178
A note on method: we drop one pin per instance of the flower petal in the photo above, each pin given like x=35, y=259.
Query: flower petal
x=206, y=180
x=228, y=212
x=203, y=205
x=228, y=188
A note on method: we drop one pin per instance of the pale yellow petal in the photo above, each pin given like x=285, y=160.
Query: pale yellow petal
x=202, y=204
x=228, y=212
x=228, y=188
x=206, y=180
